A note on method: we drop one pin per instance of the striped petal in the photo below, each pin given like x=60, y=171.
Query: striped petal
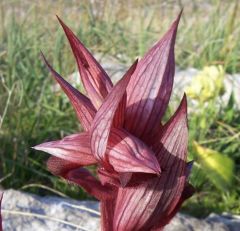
x=84, y=109
x=103, y=120
x=150, y=87
x=74, y=148
x=80, y=176
x=114, y=178
x=188, y=191
x=142, y=206
x=94, y=78
x=124, y=152
x=89, y=183
x=59, y=167
x=107, y=177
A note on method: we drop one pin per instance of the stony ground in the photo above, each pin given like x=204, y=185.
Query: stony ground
x=26, y=212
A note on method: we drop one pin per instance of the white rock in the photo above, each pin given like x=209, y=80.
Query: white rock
x=27, y=212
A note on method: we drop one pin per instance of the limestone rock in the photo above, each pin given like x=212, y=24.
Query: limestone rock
x=26, y=212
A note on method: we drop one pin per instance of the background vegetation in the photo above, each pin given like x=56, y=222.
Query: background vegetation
x=31, y=112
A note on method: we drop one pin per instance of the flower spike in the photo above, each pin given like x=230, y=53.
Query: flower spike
x=142, y=169
x=150, y=87
x=103, y=120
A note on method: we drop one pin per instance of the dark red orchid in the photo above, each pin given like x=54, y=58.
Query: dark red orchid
x=142, y=169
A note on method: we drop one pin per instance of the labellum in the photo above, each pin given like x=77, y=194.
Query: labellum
x=142, y=176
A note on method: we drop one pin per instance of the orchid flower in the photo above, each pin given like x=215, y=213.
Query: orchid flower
x=142, y=169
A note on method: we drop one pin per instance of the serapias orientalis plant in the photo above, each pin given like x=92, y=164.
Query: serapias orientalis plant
x=142, y=168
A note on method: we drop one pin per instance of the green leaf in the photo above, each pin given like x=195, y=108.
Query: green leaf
x=217, y=167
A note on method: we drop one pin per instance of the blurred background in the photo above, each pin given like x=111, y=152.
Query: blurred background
x=33, y=111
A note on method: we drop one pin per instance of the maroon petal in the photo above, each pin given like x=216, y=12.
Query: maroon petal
x=83, y=107
x=1, y=196
x=125, y=177
x=119, y=116
x=90, y=184
x=150, y=87
x=80, y=176
x=107, y=177
x=95, y=79
x=107, y=212
x=114, y=178
x=188, y=191
x=102, y=122
x=142, y=206
x=127, y=153
x=60, y=167
x=74, y=148
x=172, y=154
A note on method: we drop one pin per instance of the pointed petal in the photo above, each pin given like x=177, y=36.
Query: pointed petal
x=124, y=152
x=188, y=191
x=127, y=153
x=82, y=105
x=172, y=155
x=74, y=148
x=60, y=167
x=90, y=184
x=176, y=127
x=140, y=207
x=119, y=116
x=95, y=79
x=80, y=176
x=150, y=87
x=102, y=122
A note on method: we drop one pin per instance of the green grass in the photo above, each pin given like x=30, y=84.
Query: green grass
x=31, y=112
x=221, y=133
